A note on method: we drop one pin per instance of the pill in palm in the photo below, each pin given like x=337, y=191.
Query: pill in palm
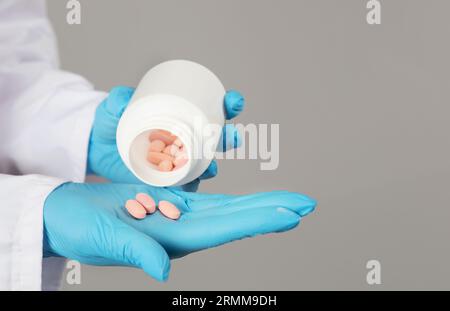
x=135, y=209
x=169, y=210
x=147, y=202
x=157, y=145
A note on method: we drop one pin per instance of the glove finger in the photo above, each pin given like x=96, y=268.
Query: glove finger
x=117, y=172
x=234, y=104
x=230, y=139
x=208, y=199
x=130, y=247
x=193, y=186
x=210, y=172
x=189, y=187
x=202, y=233
x=206, y=205
x=109, y=113
x=118, y=100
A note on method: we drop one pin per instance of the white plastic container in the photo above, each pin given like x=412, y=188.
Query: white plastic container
x=184, y=98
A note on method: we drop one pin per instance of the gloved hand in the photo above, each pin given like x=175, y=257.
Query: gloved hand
x=103, y=157
x=89, y=223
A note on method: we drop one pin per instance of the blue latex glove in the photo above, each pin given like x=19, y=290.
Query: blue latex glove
x=89, y=223
x=103, y=157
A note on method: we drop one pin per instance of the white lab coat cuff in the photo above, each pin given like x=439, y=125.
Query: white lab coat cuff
x=79, y=141
x=77, y=128
x=26, y=254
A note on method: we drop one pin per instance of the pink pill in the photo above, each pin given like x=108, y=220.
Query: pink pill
x=166, y=133
x=165, y=166
x=135, y=209
x=157, y=145
x=165, y=136
x=169, y=210
x=171, y=150
x=178, y=143
x=158, y=157
x=180, y=160
x=147, y=202
x=182, y=150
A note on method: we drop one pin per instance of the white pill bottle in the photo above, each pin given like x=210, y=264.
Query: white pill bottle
x=181, y=97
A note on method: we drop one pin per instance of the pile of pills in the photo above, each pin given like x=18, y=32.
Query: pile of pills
x=144, y=204
x=166, y=151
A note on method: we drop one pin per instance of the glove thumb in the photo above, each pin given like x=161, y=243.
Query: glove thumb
x=131, y=247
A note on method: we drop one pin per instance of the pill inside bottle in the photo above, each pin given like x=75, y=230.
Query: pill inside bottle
x=166, y=151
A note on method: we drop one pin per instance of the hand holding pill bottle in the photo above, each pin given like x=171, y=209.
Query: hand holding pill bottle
x=166, y=135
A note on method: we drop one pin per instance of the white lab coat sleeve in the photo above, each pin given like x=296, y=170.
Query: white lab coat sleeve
x=45, y=114
x=45, y=120
x=21, y=230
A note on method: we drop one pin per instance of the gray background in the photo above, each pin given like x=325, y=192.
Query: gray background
x=365, y=125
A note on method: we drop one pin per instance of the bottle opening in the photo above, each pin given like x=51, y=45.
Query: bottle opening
x=160, y=157
x=166, y=151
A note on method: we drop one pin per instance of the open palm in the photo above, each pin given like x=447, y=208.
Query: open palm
x=89, y=223
x=209, y=220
